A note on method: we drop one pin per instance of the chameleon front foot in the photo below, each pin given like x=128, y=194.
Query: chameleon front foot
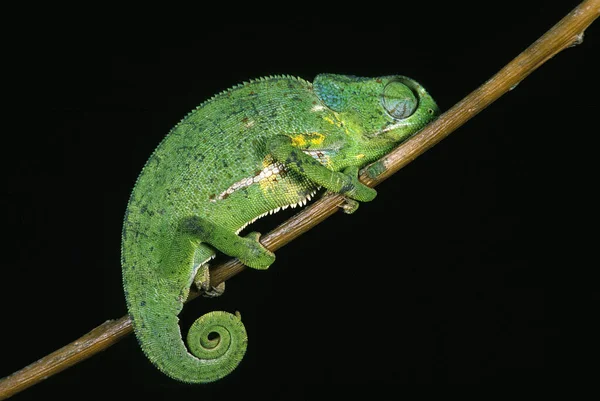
x=350, y=205
x=285, y=151
x=356, y=189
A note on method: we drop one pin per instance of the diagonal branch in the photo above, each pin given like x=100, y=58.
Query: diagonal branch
x=566, y=33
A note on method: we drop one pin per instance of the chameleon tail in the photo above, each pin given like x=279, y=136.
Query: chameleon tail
x=155, y=290
x=217, y=341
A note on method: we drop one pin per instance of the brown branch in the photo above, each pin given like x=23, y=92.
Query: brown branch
x=567, y=32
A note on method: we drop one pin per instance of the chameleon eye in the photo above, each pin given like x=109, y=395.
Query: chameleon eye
x=398, y=100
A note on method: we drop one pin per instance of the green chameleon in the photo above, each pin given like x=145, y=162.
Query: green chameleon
x=249, y=151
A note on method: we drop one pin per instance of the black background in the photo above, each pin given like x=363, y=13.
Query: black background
x=475, y=264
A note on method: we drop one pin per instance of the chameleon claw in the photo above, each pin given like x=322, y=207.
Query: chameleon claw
x=349, y=206
x=214, y=292
x=375, y=169
x=202, y=282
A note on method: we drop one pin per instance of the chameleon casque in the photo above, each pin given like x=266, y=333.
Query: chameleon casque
x=249, y=151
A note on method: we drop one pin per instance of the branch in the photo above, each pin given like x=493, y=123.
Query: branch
x=566, y=33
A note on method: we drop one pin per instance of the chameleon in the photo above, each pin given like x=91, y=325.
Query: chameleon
x=254, y=149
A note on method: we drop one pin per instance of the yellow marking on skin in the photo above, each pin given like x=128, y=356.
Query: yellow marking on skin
x=317, y=139
x=360, y=156
x=298, y=140
x=267, y=183
x=337, y=122
x=329, y=120
x=267, y=161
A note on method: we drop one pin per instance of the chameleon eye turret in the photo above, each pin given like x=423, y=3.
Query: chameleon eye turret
x=398, y=100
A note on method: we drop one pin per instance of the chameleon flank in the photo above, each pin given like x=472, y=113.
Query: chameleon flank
x=252, y=150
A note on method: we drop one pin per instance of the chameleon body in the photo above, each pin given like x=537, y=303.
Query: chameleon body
x=248, y=151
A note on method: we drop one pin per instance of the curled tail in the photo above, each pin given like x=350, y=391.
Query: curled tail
x=217, y=341
x=158, y=270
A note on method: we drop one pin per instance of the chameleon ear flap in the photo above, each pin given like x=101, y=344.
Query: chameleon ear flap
x=330, y=89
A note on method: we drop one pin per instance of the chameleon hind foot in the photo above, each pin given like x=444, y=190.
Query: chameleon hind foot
x=254, y=254
x=202, y=282
x=247, y=249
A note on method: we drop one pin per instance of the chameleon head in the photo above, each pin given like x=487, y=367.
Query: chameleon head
x=390, y=108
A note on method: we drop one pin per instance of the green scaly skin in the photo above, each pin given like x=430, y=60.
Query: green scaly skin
x=251, y=150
